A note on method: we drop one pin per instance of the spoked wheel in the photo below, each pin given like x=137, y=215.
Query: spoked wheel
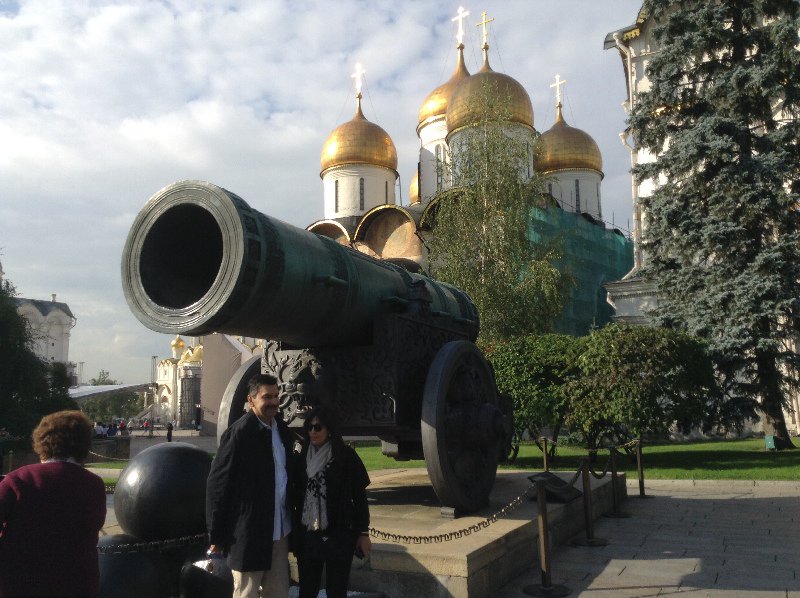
x=463, y=428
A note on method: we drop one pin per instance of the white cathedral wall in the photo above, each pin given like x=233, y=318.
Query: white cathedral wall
x=516, y=131
x=50, y=333
x=379, y=188
x=561, y=185
x=431, y=135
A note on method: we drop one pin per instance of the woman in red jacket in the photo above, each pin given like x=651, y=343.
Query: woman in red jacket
x=51, y=514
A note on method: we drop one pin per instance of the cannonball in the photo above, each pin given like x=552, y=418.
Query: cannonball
x=132, y=574
x=161, y=494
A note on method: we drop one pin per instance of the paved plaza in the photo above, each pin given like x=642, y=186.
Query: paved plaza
x=693, y=538
x=705, y=538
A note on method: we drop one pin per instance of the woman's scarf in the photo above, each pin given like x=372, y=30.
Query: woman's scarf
x=315, y=507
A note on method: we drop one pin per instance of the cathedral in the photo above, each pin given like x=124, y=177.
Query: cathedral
x=358, y=168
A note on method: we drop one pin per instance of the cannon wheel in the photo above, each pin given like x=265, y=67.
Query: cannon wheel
x=460, y=435
x=235, y=396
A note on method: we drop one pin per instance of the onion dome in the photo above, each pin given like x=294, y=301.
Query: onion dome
x=436, y=102
x=413, y=190
x=177, y=343
x=464, y=108
x=358, y=141
x=192, y=355
x=564, y=147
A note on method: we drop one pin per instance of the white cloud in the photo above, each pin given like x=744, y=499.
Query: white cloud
x=102, y=103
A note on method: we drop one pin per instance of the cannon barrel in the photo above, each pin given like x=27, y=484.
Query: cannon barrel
x=198, y=259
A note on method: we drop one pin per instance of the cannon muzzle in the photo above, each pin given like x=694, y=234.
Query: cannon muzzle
x=199, y=260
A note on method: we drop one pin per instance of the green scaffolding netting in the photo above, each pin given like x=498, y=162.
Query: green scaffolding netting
x=592, y=255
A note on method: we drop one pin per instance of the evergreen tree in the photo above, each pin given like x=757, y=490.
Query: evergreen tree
x=481, y=241
x=722, y=226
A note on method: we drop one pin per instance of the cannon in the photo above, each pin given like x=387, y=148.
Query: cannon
x=391, y=352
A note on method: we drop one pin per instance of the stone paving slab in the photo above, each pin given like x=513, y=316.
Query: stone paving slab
x=704, y=538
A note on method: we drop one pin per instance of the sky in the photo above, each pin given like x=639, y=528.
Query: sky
x=104, y=103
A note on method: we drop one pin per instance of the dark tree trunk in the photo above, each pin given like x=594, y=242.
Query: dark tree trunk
x=772, y=418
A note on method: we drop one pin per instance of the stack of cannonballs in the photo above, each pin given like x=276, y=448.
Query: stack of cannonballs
x=160, y=496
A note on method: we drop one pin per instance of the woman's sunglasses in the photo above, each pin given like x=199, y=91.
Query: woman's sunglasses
x=315, y=427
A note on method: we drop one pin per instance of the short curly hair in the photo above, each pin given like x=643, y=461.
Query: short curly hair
x=62, y=435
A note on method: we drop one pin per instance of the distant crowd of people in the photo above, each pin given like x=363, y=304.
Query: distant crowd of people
x=121, y=427
x=102, y=430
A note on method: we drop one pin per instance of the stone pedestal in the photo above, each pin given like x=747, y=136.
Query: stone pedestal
x=402, y=502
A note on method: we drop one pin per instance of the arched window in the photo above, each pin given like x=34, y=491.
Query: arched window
x=361, y=193
x=385, y=191
x=550, y=188
x=336, y=196
x=577, y=195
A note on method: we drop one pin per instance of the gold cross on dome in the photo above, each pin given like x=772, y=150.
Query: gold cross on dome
x=485, y=22
x=462, y=14
x=559, y=82
x=358, y=76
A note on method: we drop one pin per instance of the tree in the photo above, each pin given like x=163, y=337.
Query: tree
x=722, y=226
x=119, y=404
x=29, y=388
x=102, y=379
x=642, y=380
x=480, y=241
x=536, y=371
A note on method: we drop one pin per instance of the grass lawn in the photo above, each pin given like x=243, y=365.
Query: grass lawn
x=707, y=460
x=108, y=465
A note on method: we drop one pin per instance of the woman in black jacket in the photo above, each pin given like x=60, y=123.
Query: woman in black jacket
x=331, y=515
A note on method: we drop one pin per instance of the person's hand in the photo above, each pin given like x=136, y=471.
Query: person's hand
x=364, y=544
x=213, y=550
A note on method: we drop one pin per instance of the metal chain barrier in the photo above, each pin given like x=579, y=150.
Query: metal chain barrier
x=600, y=476
x=446, y=537
x=577, y=475
x=155, y=545
x=107, y=458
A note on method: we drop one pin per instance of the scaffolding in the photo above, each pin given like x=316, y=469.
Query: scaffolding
x=591, y=255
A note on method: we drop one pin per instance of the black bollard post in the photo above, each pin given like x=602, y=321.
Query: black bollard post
x=615, y=512
x=546, y=588
x=589, y=540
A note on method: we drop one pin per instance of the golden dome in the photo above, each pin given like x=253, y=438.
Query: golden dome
x=464, y=108
x=358, y=141
x=177, y=342
x=564, y=147
x=192, y=355
x=436, y=102
x=413, y=190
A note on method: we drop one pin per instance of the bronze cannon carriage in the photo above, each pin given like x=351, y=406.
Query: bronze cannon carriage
x=392, y=352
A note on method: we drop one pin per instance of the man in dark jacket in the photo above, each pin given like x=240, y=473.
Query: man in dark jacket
x=246, y=508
